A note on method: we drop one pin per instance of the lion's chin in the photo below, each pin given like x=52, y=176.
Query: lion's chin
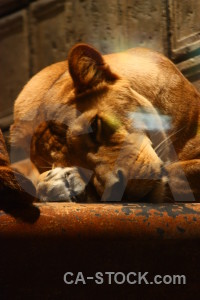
x=138, y=192
x=143, y=193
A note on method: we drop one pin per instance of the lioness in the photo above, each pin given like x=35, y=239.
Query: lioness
x=127, y=123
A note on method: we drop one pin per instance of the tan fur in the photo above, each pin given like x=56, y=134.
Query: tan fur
x=54, y=111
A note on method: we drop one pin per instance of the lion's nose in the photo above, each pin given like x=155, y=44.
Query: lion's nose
x=121, y=176
x=115, y=188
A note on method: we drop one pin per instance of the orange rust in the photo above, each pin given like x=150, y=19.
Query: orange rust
x=115, y=221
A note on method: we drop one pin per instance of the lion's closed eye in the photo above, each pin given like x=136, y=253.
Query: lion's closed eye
x=95, y=133
x=103, y=127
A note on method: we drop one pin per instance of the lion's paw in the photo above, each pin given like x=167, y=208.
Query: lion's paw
x=61, y=184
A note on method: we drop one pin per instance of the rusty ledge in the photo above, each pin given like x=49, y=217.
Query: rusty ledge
x=96, y=221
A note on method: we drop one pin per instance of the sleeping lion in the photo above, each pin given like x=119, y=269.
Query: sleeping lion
x=118, y=127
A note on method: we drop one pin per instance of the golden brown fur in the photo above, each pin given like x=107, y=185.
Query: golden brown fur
x=58, y=109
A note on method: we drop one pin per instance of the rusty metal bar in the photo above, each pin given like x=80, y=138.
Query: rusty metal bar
x=39, y=243
x=102, y=221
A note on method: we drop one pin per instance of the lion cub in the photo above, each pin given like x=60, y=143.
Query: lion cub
x=124, y=124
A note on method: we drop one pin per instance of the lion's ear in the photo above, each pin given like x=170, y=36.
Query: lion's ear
x=88, y=68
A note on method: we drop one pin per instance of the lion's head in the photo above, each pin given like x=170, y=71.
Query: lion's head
x=95, y=119
x=109, y=135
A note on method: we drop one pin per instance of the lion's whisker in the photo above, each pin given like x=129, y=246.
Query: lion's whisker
x=168, y=138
